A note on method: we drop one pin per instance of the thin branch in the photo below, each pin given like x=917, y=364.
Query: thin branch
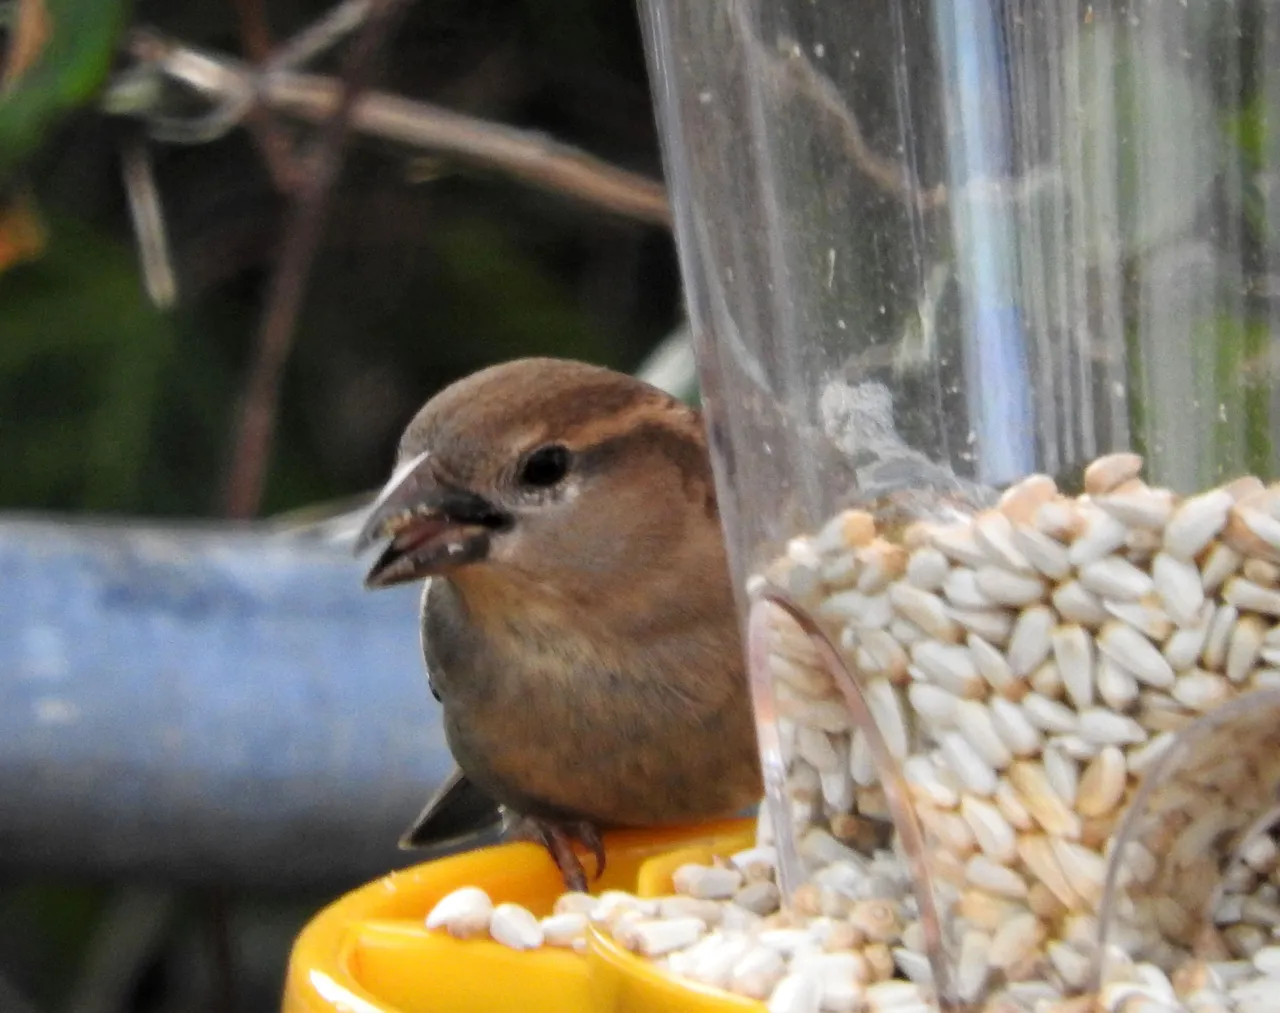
x=148, y=223
x=320, y=35
x=525, y=155
x=255, y=35
x=256, y=431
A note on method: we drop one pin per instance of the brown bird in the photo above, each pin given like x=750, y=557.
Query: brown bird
x=579, y=627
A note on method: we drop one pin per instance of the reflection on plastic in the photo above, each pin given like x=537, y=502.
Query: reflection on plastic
x=1213, y=789
x=763, y=616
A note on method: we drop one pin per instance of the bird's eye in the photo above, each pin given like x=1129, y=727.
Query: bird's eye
x=545, y=466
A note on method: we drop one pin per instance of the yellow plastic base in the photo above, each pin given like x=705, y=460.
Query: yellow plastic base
x=370, y=952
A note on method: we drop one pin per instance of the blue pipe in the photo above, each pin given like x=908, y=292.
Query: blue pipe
x=206, y=705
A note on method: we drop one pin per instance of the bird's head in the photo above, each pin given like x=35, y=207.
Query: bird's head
x=554, y=470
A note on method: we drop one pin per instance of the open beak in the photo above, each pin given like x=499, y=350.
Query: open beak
x=430, y=526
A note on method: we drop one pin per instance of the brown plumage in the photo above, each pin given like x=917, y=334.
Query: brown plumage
x=579, y=629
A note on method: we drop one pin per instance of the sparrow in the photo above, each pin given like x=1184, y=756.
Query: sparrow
x=578, y=620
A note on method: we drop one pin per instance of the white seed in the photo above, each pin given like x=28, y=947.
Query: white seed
x=1046, y=554
x=961, y=589
x=1220, y=563
x=1199, y=690
x=1037, y=853
x=563, y=929
x=706, y=882
x=828, y=715
x=928, y=783
x=993, y=624
x=1047, y=681
x=993, y=877
x=1244, y=647
x=990, y=829
x=925, y=609
x=837, y=787
x=932, y=703
x=897, y=997
x=1108, y=728
x=862, y=611
x=1075, y=746
x=1041, y=800
x=1141, y=759
x=1251, y=597
x=1115, y=577
x=1186, y=643
x=751, y=858
x=1267, y=961
x=1004, y=587
x=914, y=964
x=1214, y=655
x=1030, y=641
x=1178, y=584
x=1195, y=523
x=905, y=632
x=991, y=664
x=1062, y=772
x=1070, y=963
x=1143, y=507
x=574, y=902
x=1144, y=615
x=973, y=771
x=949, y=666
x=1118, y=688
x=1135, y=653
x=515, y=926
x=1073, y=653
x=660, y=936
x=796, y=993
x=1102, y=535
x=993, y=531
x=1013, y=727
x=862, y=765
x=1020, y=501
x=1011, y=808
x=1105, y=473
x=1048, y=715
x=464, y=913
x=1258, y=523
x=1085, y=869
x=1015, y=940
x=886, y=709
x=1077, y=605
x=888, y=656
x=927, y=568
x=1103, y=783
x=974, y=722
x=957, y=541
x=1059, y=518
x=815, y=747
x=974, y=965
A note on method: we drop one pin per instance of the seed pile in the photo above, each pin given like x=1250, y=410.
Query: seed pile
x=1027, y=667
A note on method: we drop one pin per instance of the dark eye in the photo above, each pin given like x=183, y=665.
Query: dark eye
x=545, y=466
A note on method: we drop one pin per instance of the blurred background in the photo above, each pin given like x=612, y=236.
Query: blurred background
x=222, y=295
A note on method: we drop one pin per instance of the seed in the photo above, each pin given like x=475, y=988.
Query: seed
x=1058, y=518
x=1182, y=649
x=516, y=927
x=1073, y=653
x=990, y=830
x=761, y=898
x=1070, y=963
x=756, y=973
x=862, y=611
x=1106, y=472
x=1141, y=759
x=1195, y=523
x=1038, y=855
x=1252, y=531
x=1075, y=746
x=992, y=877
x=1214, y=655
x=1244, y=647
x=888, y=655
x=1046, y=554
x=957, y=541
x=1048, y=715
x=1145, y=616
x=706, y=882
x=1075, y=604
x=1030, y=641
x=1103, y=784
x=1011, y=808
x=1004, y=587
x=991, y=664
x=994, y=533
x=1142, y=507
x=1135, y=653
x=1041, y=800
x=1246, y=595
x=1015, y=940
x=1178, y=585
x=849, y=529
x=880, y=562
x=1015, y=731
x=1063, y=774
x=927, y=568
x=1047, y=681
x=1200, y=690
x=862, y=766
x=564, y=929
x=1022, y=499
x=949, y=666
x=993, y=624
x=1220, y=563
x=1117, y=687
x=928, y=783
x=464, y=913
x=974, y=965
x=926, y=610
x=935, y=705
x=1102, y=535
x=886, y=709
x=796, y=993
x=828, y=715
x=1115, y=577
x=1085, y=869
x=972, y=770
x=1107, y=728
x=1261, y=572
x=961, y=589
x=815, y=747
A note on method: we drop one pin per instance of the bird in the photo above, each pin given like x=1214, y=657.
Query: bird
x=578, y=620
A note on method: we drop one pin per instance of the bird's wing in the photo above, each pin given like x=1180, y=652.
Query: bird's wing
x=458, y=816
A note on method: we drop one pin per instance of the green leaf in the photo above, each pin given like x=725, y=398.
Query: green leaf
x=65, y=74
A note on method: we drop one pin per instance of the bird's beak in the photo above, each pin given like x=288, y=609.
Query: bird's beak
x=432, y=527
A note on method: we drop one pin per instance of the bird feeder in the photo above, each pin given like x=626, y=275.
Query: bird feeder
x=983, y=296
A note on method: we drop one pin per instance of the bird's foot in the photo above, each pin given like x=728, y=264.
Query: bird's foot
x=558, y=838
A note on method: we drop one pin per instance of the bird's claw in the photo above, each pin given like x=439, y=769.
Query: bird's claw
x=558, y=839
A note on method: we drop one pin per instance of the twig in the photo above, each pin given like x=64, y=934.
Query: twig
x=148, y=223
x=525, y=155
x=320, y=35
x=306, y=226
x=255, y=34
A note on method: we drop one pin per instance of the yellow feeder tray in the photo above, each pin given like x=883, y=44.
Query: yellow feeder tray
x=371, y=952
